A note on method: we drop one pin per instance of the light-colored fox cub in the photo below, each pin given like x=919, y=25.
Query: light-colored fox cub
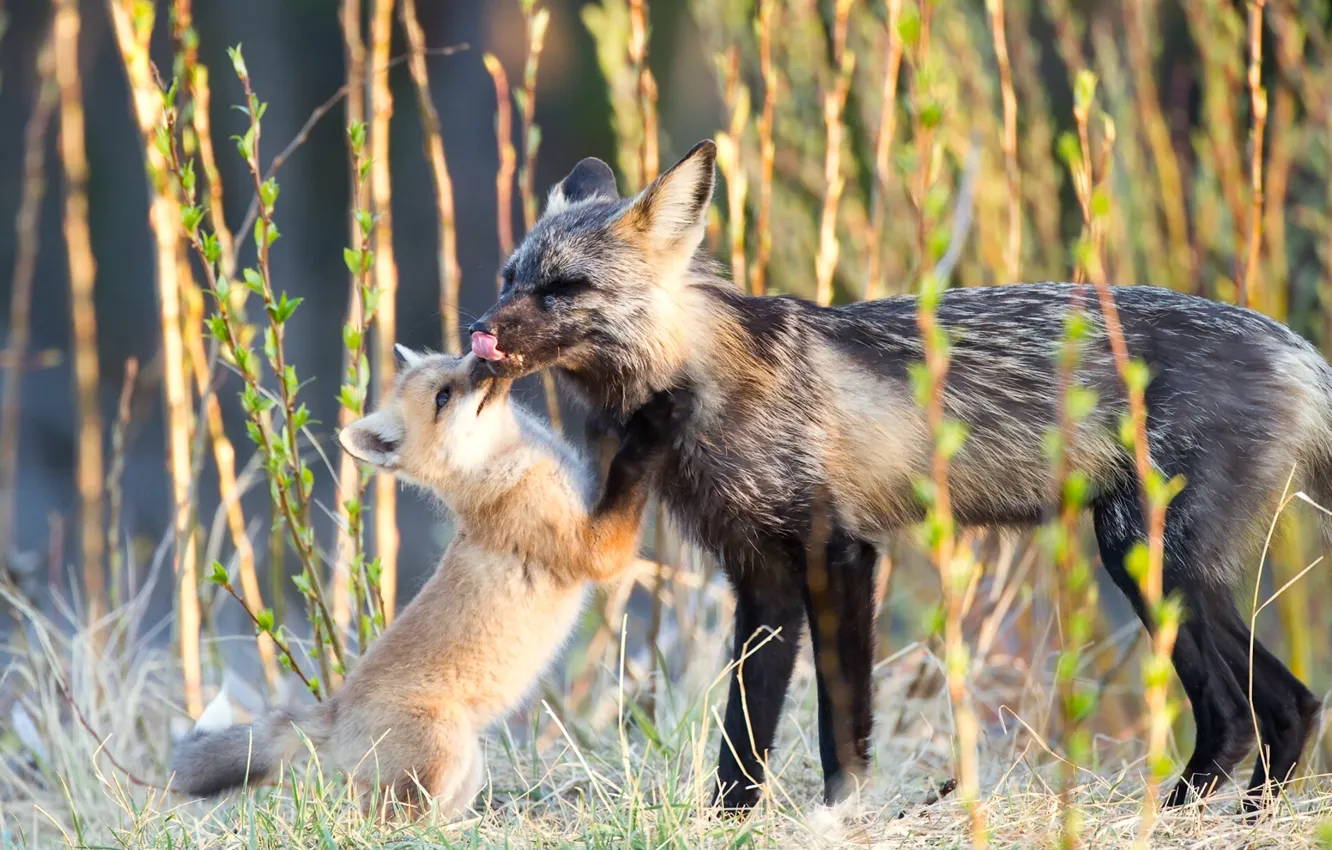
x=531, y=534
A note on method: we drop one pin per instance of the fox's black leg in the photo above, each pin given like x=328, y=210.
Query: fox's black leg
x=643, y=442
x=839, y=598
x=1285, y=709
x=767, y=599
x=1220, y=710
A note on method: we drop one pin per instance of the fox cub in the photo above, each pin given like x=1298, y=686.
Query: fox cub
x=531, y=534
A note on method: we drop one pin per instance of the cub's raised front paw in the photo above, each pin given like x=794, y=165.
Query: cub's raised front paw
x=600, y=426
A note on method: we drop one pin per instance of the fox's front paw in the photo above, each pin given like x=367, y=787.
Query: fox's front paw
x=666, y=412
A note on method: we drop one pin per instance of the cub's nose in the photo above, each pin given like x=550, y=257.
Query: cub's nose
x=480, y=327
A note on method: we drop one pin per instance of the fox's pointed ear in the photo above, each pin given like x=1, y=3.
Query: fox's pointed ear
x=375, y=439
x=590, y=178
x=405, y=356
x=672, y=211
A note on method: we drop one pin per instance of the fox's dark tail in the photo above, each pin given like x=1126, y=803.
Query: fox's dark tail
x=210, y=761
x=1313, y=378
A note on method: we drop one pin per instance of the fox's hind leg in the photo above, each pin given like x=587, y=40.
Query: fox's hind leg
x=446, y=772
x=1286, y=711
x=465, y=781
x=1220, y=710
x=428, y=763
x=1229, y=482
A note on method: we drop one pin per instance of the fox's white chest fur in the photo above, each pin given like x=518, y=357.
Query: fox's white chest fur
x=477, y=637
x=523, y=625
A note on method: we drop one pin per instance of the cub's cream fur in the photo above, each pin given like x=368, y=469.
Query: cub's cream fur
x=409, y=716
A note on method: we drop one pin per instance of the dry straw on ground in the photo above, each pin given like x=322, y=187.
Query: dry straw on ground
x=598, y=779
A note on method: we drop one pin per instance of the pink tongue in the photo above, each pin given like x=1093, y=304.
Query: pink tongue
x=485, y=346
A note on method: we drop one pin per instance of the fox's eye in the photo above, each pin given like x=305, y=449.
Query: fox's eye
x=442, y=398
x=564, y=287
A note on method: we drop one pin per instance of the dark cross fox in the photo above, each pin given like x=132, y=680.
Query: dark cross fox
x=795, y=400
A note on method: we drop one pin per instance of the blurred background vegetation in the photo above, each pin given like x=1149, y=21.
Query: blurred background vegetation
x=295, y=55
x=854, y=135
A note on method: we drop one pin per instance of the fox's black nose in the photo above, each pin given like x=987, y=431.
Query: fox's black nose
x=479, y=327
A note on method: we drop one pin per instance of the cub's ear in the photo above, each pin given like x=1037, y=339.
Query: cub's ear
x=375, y=439
x=590, y=178
x=672, y=211
x=405, y=356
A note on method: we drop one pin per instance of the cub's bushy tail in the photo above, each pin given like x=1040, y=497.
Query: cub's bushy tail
x=209, y=761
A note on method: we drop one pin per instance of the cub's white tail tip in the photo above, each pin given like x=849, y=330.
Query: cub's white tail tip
x=26, y=731
x=217, y=714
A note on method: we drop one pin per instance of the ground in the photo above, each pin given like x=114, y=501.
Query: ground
x=604, y=777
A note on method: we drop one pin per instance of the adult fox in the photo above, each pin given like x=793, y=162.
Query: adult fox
x=795, y=400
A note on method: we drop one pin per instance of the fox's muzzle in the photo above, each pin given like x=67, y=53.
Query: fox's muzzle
x=485, y=345
x=508, y=338
x=481, y=375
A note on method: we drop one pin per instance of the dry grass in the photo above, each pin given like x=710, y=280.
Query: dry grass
x=133, y=26
x=82, y=275
x=350, y=486
x=195, y=87
x=450, y=275
x=603, y=778
x=380, y=110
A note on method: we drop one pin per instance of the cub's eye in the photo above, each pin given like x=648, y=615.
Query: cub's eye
x=442, y=398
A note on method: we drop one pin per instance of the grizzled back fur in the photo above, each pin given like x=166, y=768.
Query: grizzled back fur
x=613, y=293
